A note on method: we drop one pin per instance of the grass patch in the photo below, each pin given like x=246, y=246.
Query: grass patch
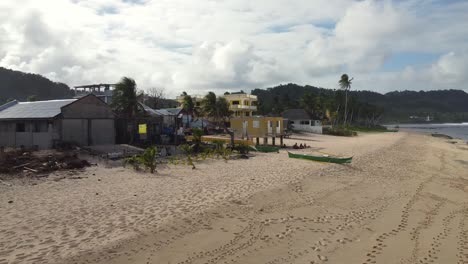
x=371, y=129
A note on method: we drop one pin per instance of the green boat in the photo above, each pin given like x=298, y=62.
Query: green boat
x=321, y=158
x=265, y=149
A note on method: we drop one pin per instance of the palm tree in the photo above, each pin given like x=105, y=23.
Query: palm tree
x=188, y=106
x=345, y=84
x=125, y=100
x=209, y=105
x=222, y=109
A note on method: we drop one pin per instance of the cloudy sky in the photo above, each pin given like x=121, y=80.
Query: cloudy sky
x=228, y=45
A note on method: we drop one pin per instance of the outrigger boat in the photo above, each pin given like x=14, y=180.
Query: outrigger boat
x=321, y=158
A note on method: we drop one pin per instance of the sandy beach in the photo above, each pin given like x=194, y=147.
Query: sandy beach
x=404, y=199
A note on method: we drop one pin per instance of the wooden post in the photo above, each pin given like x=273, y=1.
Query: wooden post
x=265, y=141
x=257, y=141
x=281, y=141
x=273, y=139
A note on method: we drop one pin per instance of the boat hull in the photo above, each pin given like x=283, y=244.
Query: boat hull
x=330, y=159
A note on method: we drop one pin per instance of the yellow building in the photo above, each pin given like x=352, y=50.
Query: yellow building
x=197, y=100
x=258, y=127
x=242, y=104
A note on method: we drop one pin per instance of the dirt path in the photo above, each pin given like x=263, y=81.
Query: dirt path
x=406, y=203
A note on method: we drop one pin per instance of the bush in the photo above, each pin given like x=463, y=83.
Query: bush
x=134, y=161
x=375, y=128
x=188, y=150
x=339, y=131
x=147, y=159
x=242, y=148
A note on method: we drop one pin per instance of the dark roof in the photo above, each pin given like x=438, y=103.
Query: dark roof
x=33, y=110
x=296, y=114
x=160, y=112
x=174, y=111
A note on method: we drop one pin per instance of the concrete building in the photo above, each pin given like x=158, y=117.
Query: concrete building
x=240, y=104
x=85, y=121
x=258, y=127
x=103, y=91
x=300, y=120
x=197, y=100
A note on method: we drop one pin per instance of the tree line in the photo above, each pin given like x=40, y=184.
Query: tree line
x=365, y=107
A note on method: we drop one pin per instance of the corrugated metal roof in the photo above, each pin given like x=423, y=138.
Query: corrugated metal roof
x=173, y=111
x=296, y=114
x=33, y=110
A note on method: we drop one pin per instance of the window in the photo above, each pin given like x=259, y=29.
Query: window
x=256, y=124
x=20, y=127
x=235, y=102
x=306, y=122
x=247, y=114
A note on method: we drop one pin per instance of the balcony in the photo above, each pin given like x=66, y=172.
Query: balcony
x=243, y=107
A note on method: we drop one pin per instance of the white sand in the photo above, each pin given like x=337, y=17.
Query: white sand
x=403, y=200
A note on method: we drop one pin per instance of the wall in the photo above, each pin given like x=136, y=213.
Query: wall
x=88, y=121
x=102, y=132
x=88, y=107
x=43, y=139
x=260, y=130
x=312, y=127
x=7, y=134
x=75, y=130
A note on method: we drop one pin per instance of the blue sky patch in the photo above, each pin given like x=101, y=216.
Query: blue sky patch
x=399, y=61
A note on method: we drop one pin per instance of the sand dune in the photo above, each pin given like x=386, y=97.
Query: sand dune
x=403, y=200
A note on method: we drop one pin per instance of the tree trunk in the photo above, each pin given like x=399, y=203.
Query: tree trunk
x=346, y=107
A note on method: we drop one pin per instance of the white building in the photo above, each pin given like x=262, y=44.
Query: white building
x=300, y=120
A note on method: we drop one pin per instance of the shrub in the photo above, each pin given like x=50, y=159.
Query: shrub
x=188, y=150
x=197, y=138
x=134, y=161
x=339, y=131
x=242, y=148
x=148, y=158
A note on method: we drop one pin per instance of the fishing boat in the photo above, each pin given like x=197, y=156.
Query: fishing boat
x=321, y=158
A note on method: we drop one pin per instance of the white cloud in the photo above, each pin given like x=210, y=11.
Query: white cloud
x=223, y=45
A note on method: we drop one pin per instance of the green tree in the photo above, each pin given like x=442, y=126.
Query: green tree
x=345, y=84
x=125, y=101
x=125, y=98
x=215, y=108
x=31, y=98
x=308, y=102
x=222, y=109
x=209, y=106
x=188, y=106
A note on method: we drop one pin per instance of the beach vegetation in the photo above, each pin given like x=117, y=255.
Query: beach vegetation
x=242, y=148
x=146, y=159
x=341, y=131
x=188, y=151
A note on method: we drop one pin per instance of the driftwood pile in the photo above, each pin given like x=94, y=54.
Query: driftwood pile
x=21, y=161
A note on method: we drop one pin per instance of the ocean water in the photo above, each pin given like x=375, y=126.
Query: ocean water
x=455, y=130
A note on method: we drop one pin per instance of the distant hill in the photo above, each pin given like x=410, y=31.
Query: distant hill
x=441, y=105
x=19, y=85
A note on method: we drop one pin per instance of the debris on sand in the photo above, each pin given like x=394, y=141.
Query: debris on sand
x=441, y=136
x=17, y=161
